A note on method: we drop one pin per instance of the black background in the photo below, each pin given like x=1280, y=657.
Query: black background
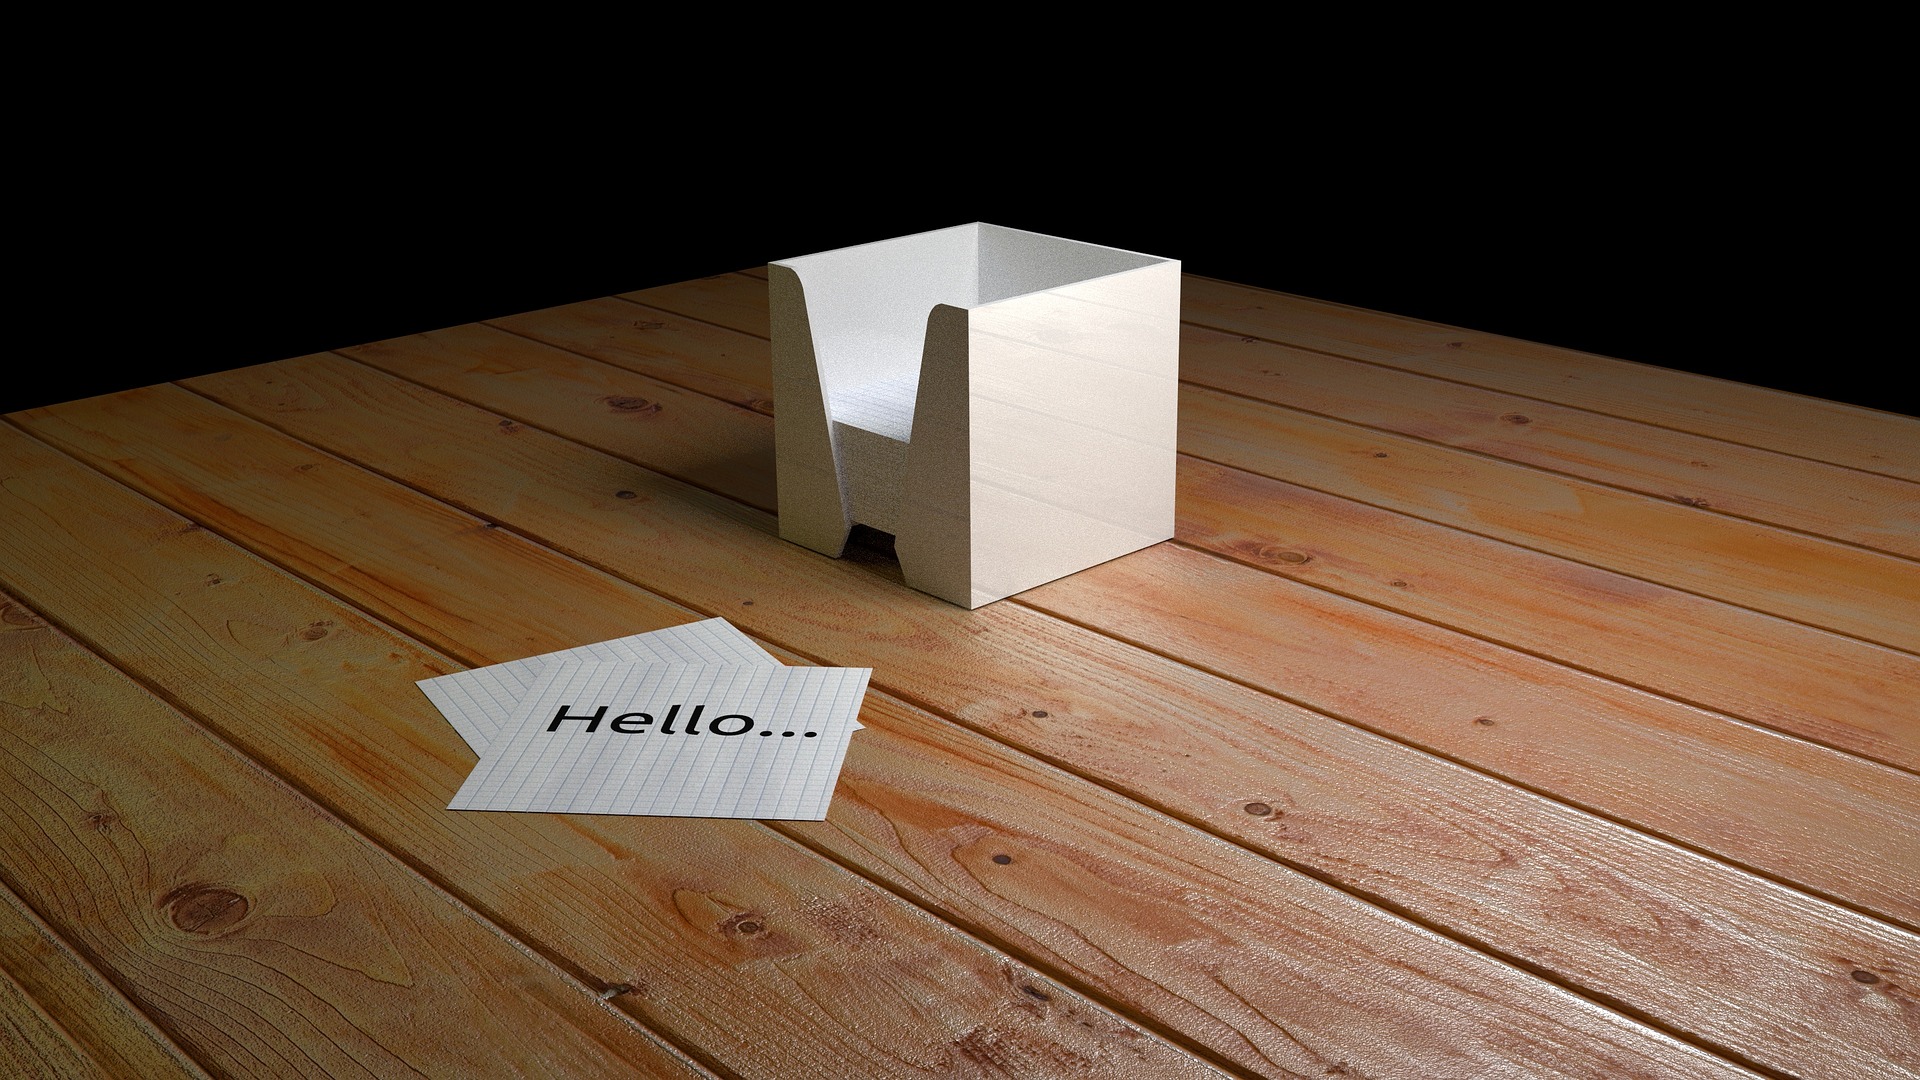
x=1702, y=247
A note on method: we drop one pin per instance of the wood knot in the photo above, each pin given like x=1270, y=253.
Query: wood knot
x=1397, y=583
x=1039, y=714
x=1866, y=977
x=1296, y=558
x=1483, y=721
x=638, y=406
x=1517, y=418
x=1258, y=809
x=205, y=909
x=763, y=405
x=509, y=426
x=745, y=923
x=315, y=632
x=1003, y=860
x=211, y=579
x=625, y=495
x=1380, y=453
x=650, y=324
x=1456, y=344
x=307, y=467
x=13, y=614
x=100, y=822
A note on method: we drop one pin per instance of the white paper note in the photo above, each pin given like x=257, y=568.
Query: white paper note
x=683, y=740
x=477, y=702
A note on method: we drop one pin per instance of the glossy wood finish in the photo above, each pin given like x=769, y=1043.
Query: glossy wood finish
x=1498, y=710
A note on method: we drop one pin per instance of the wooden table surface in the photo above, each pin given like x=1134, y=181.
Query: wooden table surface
x=1498, y=710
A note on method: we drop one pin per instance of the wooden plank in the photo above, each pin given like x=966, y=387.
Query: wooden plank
x=1851, y=830
x=1825, y=584
x=1844, y=504
x=675, y=349
x=933, y=809
x=32, y=1044
x=1835, y=690
x=720, y=300
x=1839, y=691
x=715, y=451
x=1736, y=960
x=727, y=936
x=193, y=460
x=1829, y=431
x=110, y=1032
x=270, y=938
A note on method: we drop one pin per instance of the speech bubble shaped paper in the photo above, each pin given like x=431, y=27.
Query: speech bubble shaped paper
x=673, y=740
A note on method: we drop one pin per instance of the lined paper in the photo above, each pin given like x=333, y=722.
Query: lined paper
x=477, y=702
x=768, y=741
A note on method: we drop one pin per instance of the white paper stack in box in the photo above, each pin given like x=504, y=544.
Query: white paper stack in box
x=690, y=721
x=1004, y=403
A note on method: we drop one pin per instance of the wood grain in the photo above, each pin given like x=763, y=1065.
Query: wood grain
x=32, y=1043
x=1835, y=690
x=1827, y=431
x=1852, y=829
x=270, y=939
x=678, y=350
x=720, y=300
x=712, y=450
x=1826, y=584
x=695, y=926
x=933, y=809
x=105, y=1030
x=1733, y=959
x=1827, y=500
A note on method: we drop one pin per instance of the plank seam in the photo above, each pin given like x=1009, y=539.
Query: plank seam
x=1568, y=405
x=1621, y=680
x=1576, y=477
x=1598, y=997
x=664, y=311
x=569, y=972
x=692, y=318
x=980, y=933
x=1641, y=364
x=157, y=1031
x=1572, y=804
x=1556, y=555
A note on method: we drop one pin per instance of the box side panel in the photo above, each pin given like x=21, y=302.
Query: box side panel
x=1072, y=449
x=812, y=502
x=934, y=539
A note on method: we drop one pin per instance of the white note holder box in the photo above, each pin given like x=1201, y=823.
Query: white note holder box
x=1004, y=403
